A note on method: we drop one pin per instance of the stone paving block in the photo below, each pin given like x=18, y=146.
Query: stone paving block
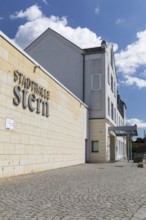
x=76, y=193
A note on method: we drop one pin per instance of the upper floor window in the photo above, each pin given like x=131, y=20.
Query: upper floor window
x=112, y=86
x=95, y=82
x=115, y=114
x=112, y=111
x=108, y=106
x=108, y=75
x=112, y=57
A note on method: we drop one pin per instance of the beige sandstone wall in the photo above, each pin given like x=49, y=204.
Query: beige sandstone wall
x=37, y=142
x=97, y=132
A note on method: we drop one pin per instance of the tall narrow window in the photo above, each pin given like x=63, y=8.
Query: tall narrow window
x=114, y=88
x=115, y=115
x=112, y=83
x=108, y=75
x=108, y=106
x=112, y=111
x=112, y=58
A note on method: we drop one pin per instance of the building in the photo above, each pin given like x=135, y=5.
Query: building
x=90, y=74
x=43, y=125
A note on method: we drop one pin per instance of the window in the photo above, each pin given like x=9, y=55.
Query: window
x=112, y=111
x=108, y=106
x=108, y=75
x=95, y=82
x=115, y=89
x=115, y=115
x=112, y=83
x=95, y=146
x=112, y=58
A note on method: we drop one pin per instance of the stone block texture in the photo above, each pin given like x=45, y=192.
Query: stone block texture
x=36, y=142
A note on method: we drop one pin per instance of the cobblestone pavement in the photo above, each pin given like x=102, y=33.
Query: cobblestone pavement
x=86, y=192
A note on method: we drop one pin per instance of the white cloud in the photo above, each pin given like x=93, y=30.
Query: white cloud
x=31, y=13
x=127, y=61
x=97, y=10
x=134, y=56
x=130, y=81
x=138, y=122
x=1, y=18
x=45, y=1
x=115, y=47
x=120, y=20
x=143, y=73
x=37, y=23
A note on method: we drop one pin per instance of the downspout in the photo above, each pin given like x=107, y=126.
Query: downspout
x=87, y=159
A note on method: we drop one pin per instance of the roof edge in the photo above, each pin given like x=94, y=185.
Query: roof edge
x=54, y=32
x=42, y=68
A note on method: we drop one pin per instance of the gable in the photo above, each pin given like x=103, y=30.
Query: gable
x=57, y=37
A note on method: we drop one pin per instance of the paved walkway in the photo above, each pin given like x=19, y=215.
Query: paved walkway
x=85, y=192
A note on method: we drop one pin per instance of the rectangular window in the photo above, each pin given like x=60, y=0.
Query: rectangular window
x=115, y=115
x=108, y=106
x=95, y=146
x=108, y=75
x=112, y=84
x=112, y=111
x=115, y=89
x=112, y=58
x=95, y=82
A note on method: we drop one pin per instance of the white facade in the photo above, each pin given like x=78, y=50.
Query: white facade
x=90, y=74
x=102, y=98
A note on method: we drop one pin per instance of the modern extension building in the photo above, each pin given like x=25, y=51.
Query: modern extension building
x=42, y=124
x=90, y=74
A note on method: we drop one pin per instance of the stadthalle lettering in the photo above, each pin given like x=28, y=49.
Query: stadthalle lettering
x=40, y=104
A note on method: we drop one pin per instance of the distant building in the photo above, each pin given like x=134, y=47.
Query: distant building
x=90, y=74
x=140, y=145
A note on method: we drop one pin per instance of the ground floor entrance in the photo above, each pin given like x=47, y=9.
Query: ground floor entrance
x=112, y=148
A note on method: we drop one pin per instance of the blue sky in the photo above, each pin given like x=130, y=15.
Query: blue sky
x=86, y=23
